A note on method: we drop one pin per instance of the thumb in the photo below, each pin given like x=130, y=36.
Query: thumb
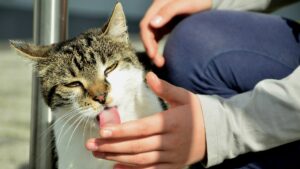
x=172, y=94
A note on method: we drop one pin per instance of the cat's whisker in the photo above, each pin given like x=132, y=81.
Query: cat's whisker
x=46, y=131
x=51, y=145
x=84, y=128
x=62, y=132
x=90, y=122
x=76, y=127
x=90, y=130
x=79, y=112
x=66, y=115
x=79, y=115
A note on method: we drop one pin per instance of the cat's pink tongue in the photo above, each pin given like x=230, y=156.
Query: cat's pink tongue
x=109, y=116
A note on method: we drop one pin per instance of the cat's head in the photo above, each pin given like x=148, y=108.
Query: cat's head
x=90, y=71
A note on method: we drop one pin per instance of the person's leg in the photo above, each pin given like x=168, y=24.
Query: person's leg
x=226, y=53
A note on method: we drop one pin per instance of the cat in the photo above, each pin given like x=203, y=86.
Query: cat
x=83, y=79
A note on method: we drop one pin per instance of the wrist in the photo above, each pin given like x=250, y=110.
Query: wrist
x=198, y=147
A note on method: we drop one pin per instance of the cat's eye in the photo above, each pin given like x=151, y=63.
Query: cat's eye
x=74, y=84
x=111, y=68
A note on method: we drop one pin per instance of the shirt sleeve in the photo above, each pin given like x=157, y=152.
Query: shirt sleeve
x=256, y=5
x=264, y=118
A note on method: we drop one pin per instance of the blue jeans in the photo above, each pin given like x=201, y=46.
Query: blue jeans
x=227, y=53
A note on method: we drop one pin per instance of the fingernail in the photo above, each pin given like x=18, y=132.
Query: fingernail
x=151, y=78
x=106, y=133
x=92, y=146
x=159, y=61
x=156, y=20
x=154, y=78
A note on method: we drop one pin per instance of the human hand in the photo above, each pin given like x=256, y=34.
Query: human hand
x=170, y=139
x=154, y=24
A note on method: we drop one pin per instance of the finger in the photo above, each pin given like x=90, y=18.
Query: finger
x=139, y=145
x=159, y=60
x=149, y=41
x=167, y=12
x=138, y=128
x=154, y=166
x=174, y=8
x=172, y=94
x=141, y=159
x=146, y=31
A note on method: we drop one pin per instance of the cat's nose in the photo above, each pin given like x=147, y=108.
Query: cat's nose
x=101, y=98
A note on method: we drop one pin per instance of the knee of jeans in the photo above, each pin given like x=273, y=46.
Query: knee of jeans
x=198, y=36
x=186, y=50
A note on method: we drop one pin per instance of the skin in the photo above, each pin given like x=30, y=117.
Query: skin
x=176, y=139
x=155, y=23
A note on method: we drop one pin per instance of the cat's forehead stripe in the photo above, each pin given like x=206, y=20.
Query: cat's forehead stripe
x=88, y=40
x=72, y=72
x=77, y=64
x=79, y=50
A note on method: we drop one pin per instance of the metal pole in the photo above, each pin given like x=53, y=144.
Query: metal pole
x=50, y=26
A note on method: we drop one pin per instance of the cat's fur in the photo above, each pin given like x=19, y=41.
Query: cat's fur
x=99, y=62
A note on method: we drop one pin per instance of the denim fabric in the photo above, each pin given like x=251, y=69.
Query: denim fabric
x=229, y=52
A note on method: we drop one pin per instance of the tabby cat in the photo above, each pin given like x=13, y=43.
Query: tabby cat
x=88, y=79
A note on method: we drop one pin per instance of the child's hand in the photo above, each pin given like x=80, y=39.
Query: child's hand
x=167, y=140
x=154, y=24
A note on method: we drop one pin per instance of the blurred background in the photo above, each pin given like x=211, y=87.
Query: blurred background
x=16, y=18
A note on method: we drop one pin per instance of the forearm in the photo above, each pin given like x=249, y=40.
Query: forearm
x=267, y=117
x=241, y=4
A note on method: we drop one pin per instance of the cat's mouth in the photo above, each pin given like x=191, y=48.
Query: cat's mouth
x=109, y=115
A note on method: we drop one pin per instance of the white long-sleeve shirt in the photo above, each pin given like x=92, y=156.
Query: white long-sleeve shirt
x=263, y=118
x=241, y=4
x=266, y=117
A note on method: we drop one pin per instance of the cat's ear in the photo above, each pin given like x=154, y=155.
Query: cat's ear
x=30, y=51
x=116, y=26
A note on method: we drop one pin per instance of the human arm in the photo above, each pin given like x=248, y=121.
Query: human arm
x=241, y=4
x=267, y=117
x=252, y=5
x=166, y=140
x=264, y=118
x=156, y=22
